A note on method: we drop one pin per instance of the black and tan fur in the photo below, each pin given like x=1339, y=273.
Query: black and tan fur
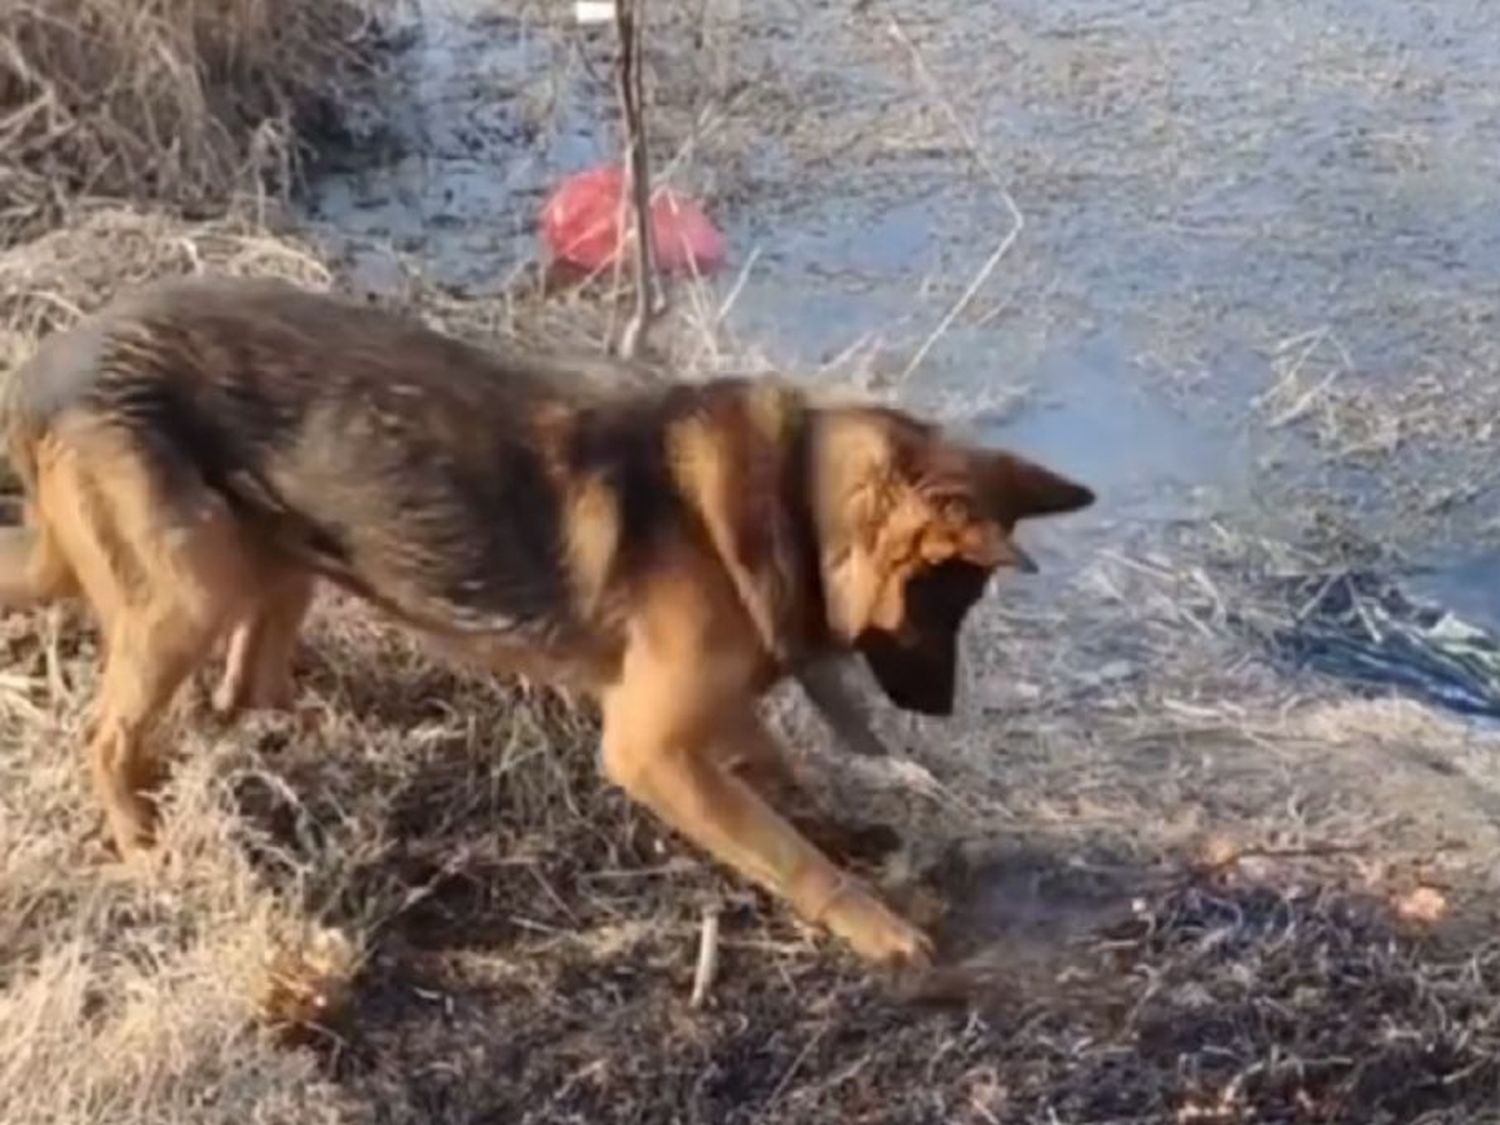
x=201, y=452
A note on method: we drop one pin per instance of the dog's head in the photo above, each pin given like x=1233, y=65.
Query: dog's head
x=911, y=527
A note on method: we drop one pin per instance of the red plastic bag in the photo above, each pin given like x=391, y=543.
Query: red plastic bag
x=581, y=225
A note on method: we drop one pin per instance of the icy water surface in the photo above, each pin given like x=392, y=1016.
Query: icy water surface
x=1233, y=210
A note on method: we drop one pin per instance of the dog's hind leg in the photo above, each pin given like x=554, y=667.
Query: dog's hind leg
x=163, y=568
x=257, y=671
x=152, y=649
x=159, y=635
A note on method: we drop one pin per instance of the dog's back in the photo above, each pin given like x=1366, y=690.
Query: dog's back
x=357, y=440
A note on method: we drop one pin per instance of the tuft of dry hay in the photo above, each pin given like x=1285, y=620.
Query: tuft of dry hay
x=181, y=101
x=49, y=282
x=309, y=981
x=1285, y=998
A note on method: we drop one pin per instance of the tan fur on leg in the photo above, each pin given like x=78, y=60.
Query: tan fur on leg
x=660, y=726
x=163, y=573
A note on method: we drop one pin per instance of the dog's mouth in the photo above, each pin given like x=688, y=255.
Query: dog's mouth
x=917, y=668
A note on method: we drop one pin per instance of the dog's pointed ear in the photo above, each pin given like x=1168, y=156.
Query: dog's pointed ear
x=1016, y=489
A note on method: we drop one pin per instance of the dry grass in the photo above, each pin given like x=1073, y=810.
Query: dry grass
x=179, y=101
x=1172, y=883
x=48, y=283
x=1175, y=892
x=130, y=1000
x=1169, y=881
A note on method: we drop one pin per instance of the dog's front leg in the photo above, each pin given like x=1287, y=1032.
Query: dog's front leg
x=747, y=749
x=661, y=728
x=839, y=706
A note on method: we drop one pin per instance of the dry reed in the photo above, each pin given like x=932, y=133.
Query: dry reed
x=179, y=101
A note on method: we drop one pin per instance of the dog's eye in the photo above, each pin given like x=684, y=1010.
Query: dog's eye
x=955, y=511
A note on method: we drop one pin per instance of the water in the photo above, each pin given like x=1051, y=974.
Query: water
x=1468, y=586
x=1201, y=182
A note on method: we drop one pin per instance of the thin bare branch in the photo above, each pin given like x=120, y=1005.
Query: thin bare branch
x=628, y=21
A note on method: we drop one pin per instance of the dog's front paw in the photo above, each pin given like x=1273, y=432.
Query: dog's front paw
x=876, y=932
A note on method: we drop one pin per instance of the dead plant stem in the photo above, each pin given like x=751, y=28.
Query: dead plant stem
x=628, y=21
x=976, y=153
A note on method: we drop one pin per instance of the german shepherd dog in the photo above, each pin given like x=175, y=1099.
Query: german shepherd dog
x=201, y=452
